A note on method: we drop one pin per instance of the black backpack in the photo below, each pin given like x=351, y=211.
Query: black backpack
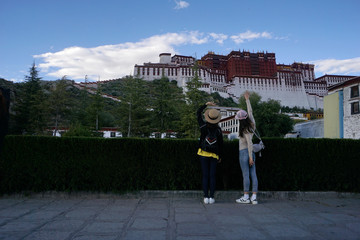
x=210, y=143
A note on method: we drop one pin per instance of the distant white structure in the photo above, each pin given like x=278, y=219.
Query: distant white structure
x=309, y=129
x=231, y=75
x=110, y=132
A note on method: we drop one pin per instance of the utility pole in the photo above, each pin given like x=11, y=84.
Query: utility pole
x=86, y=82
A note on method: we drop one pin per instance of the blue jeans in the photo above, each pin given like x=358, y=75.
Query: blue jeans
x=208, y=166
x=248, y=171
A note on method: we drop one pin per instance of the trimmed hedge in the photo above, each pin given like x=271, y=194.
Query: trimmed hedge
x=125, y=164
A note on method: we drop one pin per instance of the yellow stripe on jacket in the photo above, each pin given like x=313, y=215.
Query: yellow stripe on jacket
x=207, y=154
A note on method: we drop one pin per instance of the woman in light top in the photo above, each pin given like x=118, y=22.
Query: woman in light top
x=246, y=155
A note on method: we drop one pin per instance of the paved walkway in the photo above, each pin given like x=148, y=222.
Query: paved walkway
x=176, y=216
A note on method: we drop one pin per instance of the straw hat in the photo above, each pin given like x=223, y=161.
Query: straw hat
x=212, y=116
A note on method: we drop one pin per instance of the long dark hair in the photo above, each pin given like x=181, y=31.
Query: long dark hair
x=245, y=126
x=212, y=125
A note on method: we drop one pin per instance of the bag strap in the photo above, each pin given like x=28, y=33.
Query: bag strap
x=258, y=136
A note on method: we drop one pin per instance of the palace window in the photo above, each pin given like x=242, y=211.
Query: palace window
x=355, y=108
x=354, y=92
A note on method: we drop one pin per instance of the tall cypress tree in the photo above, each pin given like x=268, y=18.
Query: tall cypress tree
x=60, y=104
x=167, y=100
x=194, y=99
x=95, y=108
x=134, y=108
x=30, y=104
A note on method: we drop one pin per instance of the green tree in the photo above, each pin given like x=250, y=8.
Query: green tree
x=95, y=109
x=78, y=130
x=30, y=105
x=167, y=101
x=194, y=99
x=60, y=104
x=134, y=108
x=80, y=114
x=269, y=121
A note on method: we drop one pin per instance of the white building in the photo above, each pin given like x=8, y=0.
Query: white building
x=342, y=110
x=232, y=75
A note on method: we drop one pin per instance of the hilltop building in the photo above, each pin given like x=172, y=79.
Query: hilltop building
x=231, y=75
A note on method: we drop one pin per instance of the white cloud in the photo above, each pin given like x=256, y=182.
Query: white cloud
x=17, y=80
x=113, y=61
x=118, y=60
x=219, y=37
x=249, y=36
x=333, y=66
x=181, y=4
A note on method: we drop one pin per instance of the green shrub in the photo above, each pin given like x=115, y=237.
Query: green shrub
x=37, y=164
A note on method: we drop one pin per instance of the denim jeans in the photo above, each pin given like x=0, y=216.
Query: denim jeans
x=208, y=166
x=248, y=171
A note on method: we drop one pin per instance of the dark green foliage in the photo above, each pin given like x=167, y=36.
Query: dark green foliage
x=269, y=121
x=311, y=164
x=59, y=104
x=37, y=164
x=78, y=130
x=134, y=112
x=167, y=100
x=30, y=105
x=224, y=102
x=287, y=109
x=194, y=98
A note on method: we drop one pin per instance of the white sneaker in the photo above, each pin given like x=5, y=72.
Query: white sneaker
x=243, y=200
x=206, y=200
x=211, y=200
x=254, y=201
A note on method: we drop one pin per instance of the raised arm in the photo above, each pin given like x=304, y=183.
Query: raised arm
x=199, y=113
x=200, y=119
x=249, y=108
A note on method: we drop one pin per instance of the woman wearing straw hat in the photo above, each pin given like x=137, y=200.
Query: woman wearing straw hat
x=210, y=148
x=246, y=155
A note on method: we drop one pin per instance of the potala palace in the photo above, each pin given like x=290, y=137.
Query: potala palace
x=233, y=74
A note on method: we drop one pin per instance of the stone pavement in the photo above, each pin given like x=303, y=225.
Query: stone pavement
x=157, y=215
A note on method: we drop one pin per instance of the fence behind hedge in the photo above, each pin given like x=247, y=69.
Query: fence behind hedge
x=125, y=164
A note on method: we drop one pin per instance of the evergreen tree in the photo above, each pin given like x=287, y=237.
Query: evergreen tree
x=134, y=108
x=80, y=113
x=60, y=104
x=167, y=100
x=30, y=105
x=194, y=99
x=95, y=108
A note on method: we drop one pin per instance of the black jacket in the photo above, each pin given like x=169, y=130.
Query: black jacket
x=205, y=127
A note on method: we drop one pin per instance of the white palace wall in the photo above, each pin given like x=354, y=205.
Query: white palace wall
x=288, y=86
x=288, y=95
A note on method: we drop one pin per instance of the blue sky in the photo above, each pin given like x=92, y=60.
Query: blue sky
x=104, y=39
